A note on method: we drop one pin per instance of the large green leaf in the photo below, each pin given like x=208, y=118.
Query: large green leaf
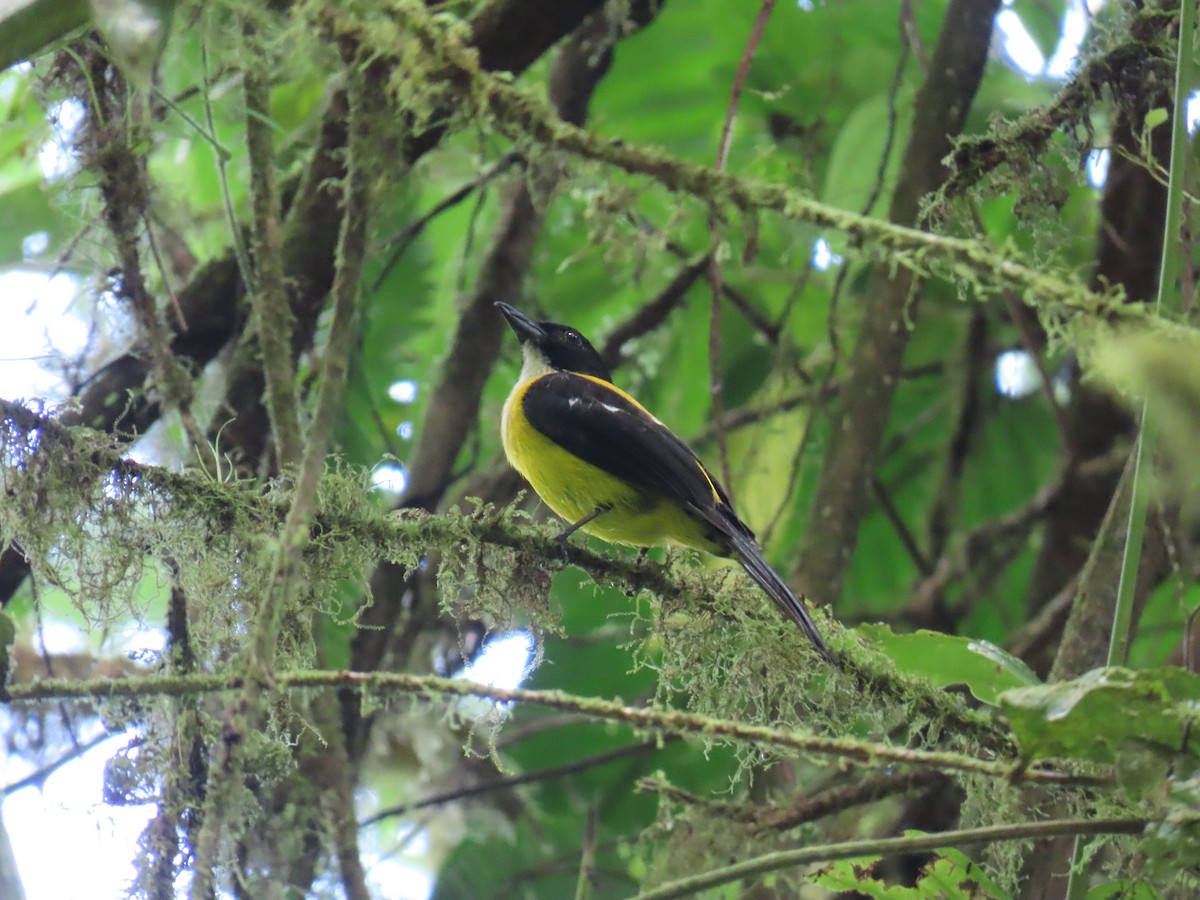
x=1110, y=715
x=877, y=124
x=947, y=659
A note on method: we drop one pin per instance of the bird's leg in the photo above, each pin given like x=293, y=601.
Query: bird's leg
x=571, y=529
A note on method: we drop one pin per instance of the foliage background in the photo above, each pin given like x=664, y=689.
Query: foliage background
x=852, y=408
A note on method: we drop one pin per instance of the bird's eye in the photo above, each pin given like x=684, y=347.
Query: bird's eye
x=573, y=338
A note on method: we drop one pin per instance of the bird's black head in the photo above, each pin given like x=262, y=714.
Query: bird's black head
x=557, y=347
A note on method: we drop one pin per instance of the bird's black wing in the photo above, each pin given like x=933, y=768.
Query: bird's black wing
x=601, y=426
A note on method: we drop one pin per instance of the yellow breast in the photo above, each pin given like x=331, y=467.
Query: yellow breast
x=574, y=488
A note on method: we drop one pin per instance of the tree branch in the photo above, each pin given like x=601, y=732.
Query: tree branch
x=60, y=453
x=511, y=781
x=784, y=859
x=398, y=614
x=259, y=660
x=806, y=808
x=669, y=721
x=716, y=387
x=273, y=319
x=522, y=116
x=857, y=430
x=113, y=124
x=652, y=314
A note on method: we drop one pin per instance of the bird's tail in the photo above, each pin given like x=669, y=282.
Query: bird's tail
x=749, y=554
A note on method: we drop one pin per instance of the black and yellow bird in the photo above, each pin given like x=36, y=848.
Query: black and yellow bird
x=607, y=466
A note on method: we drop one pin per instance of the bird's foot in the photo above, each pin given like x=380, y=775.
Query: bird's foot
x=600, y=510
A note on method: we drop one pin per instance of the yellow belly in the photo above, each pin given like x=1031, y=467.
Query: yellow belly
x=574, y=488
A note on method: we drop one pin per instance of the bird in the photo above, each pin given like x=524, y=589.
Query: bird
x=608, y=467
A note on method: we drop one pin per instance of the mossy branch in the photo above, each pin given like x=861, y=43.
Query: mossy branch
x=784, y=859
x=113, y=148
x=334, y=366
x=273, y=320
x=1019, y=140
x=522, y=116
x=667, y=721
x=73, y=459
x=258, y=663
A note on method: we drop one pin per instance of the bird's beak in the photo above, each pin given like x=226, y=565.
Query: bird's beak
x=525, y=327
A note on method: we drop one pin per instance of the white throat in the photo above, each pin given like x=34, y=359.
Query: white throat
x=535, y=363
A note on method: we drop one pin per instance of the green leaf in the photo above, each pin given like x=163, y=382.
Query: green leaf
x=1155, y=117
x=947, y=659
x=950, y=876
x=853, y=875
x=956, y=868
x=854, y=160
x=1173, y=842
x=1138, y=720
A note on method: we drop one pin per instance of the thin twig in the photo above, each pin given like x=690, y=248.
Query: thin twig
x=911, y=36
x=152, y=241
x=584, y=885
x=403, y=239
x=783, y=859
x=222, y=157
x=739, y=301
x=716, y=384
x=759, y=322
x=511, y=781
x=943, y=511
x=650, y=315
x=1021, y=318
x=809, y=808
x=805, y=808
x=1043, y=628
x=973, y=551
x=907, y=538
x=739, y=80
x=48, y=659
x=750, y=415
x=39, y=776
x=1024, y=320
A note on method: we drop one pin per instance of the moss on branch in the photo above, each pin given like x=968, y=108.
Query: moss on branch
x=112, y=518
x=666, y=721
x=524, y=117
